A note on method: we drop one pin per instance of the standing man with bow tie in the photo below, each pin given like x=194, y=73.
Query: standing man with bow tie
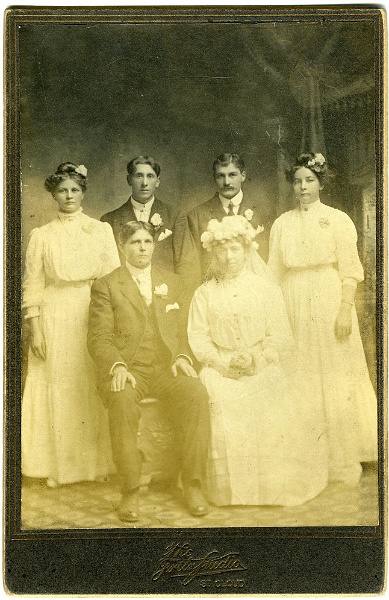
x=229, y=174
x=143, y=177
x=138, y=340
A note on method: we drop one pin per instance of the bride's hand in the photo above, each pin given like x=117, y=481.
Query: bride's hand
x=234, y=373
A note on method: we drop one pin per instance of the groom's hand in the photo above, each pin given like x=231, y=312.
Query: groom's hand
x=120, y=377
x=181, y=364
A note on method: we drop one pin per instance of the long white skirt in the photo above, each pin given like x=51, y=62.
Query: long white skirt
x=65, y=434
x=336, y=374
x=266, y=446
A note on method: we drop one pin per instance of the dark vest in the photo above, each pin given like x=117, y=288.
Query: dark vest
x=152, y=350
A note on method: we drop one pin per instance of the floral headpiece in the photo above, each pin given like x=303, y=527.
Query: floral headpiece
x=82, y=170
x=228, y=228
x=317, y=163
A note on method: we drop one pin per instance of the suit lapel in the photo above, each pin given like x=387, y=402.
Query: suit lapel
x=130, y=290
x=216, y=210
x=158, y=278
x=129, y=212
x=245, y=205
x=160, y=209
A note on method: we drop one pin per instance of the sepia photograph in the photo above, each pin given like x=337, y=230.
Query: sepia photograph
x=195, y=250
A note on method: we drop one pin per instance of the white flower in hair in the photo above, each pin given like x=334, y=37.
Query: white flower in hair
x=206, y=238
x=317, y=162
x=226, y=229
x=319, y=158
x=82, y=170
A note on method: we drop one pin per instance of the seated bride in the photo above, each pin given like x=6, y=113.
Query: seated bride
x=267, y=446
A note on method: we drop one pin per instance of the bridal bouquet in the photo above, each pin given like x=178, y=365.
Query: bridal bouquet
x=241, y=364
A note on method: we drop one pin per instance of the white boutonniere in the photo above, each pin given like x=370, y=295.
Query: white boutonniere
x=174, y=306
x=248, y=214
x=161, y=290
x=156, y=220
x=164, y=234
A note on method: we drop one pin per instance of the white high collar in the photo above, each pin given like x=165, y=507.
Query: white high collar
x=312, y=206
x=236, y=200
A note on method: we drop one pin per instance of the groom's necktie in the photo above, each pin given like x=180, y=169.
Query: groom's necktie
x=143, y=215
x=230, y=210
x=144, y=288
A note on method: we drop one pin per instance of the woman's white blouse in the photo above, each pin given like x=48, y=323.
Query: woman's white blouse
x=68, y=249
x=318, y=236
x=239, y=314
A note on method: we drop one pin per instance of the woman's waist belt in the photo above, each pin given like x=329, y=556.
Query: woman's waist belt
x=76, y=283
x=312, y=268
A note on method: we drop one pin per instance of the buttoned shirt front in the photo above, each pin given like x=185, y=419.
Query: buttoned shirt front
x=235, y=201
x=142, y=211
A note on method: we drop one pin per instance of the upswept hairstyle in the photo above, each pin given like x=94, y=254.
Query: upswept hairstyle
x=128, y=229
x=66, y=170
x=315, y=162
x=223, y=160
x=143, y=160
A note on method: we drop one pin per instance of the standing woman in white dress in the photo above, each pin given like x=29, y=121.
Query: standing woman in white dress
x=65, y=435
x=313, y=254
x=265, y=447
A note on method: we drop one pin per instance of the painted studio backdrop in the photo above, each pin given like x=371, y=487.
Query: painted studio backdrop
x=184, y=93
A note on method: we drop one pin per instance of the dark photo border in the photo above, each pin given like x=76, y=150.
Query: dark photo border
x=295, y=560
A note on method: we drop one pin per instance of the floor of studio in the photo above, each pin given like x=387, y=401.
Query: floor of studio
x=93, y=505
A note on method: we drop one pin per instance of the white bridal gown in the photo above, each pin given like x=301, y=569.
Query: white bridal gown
x=266, y=447
x=65, y=433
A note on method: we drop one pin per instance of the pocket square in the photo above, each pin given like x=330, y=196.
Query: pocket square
x=172, y=307
x=164, y=234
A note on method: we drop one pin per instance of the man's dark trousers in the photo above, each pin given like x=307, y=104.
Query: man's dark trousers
x=185, y=402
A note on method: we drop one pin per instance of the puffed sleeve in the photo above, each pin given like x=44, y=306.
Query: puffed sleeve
x=349, y=264
x=108, y=250
x=275, y=262
x=34, y=275
x=199, y=335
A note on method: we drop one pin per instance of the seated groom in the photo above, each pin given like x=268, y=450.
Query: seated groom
x=143, y=176
x=137, y=338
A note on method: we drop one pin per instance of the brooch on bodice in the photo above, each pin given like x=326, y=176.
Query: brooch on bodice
x=324, y=222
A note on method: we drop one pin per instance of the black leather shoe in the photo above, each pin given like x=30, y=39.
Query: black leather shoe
x=197, y=504
x=129, y=507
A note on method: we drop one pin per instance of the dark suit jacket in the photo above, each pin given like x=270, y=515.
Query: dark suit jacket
x=163, y=254
x=192, y=259
x=118, y=314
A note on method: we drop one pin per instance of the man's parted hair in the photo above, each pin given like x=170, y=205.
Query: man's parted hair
x=143, y=160
x=128, y=229
x=225, y=159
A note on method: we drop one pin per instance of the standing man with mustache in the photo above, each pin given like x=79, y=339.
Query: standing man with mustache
x=229, y=174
